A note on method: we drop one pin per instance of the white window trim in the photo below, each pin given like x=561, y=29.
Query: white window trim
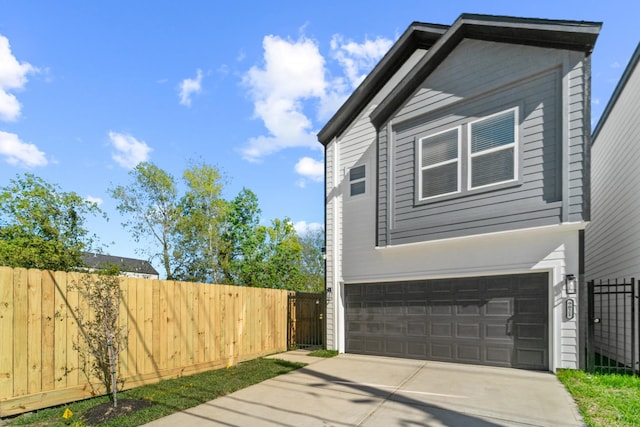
x=513, y=145
x=356, y=181
x=446, y=162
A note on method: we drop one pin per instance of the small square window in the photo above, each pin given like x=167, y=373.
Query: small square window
x=357, y=180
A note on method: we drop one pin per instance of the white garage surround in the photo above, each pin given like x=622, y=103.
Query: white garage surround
x=553, y=250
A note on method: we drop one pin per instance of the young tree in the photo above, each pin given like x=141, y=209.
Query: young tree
x=150, y=202
x=104, y=339
x=312, y=267
x=42, y=226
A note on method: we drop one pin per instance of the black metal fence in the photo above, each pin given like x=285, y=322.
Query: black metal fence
x=306, y=321
x=613, y=327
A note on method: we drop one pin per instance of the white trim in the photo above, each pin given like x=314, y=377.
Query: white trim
x=513, y=145
x=567, y=226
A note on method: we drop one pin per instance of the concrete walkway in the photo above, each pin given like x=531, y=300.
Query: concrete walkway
x=355, y=390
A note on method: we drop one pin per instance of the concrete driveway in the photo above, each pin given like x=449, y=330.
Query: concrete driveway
x=356, y=390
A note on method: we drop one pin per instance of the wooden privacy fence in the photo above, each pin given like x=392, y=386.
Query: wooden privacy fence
x=174, y=329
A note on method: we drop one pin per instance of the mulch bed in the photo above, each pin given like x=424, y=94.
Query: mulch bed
x=106, y=412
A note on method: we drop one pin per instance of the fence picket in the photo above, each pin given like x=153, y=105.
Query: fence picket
x=174, y=328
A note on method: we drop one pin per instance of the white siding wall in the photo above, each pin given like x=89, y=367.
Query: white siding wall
x=357, y=145
x=613, y=236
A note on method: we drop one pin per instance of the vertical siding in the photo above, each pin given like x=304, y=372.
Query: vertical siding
x=613, y=236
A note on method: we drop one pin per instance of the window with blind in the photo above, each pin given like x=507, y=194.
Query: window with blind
x=492, y=149
x=439, y=164
x=473, y=155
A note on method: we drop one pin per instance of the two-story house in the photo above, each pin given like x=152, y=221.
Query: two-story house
x=457, y=192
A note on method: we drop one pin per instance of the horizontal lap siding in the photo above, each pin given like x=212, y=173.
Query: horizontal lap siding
x=535, y=202
x=612, y=243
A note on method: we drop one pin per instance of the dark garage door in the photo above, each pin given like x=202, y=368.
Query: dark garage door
x=497, y=320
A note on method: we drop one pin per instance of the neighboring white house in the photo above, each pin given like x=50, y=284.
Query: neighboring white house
x=613, y=236
x=457, y=195
x=129, y=267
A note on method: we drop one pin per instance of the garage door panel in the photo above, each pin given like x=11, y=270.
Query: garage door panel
x=469, y=353
x=499, y=321
x=499, y=356
x=530, y=357
x=417, y=349
x=416, y=329
x=439, y=330
x=467, y=330
x=499, y=307
x=496, y=331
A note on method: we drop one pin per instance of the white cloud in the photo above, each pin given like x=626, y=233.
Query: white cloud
x=595, y=101
x=303, y=227
x=188, y=87
x=128, y=150
x=13, y=76
x=615, y=64
x=357, y=59
x=97, y=200
x=21, y=153
x=293, y=78
x=293, y=72
x=310, y=168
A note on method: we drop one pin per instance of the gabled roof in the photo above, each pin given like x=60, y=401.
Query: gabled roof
x=633, y=62
x=559, y=34
x=127, y=265
x=419, y=35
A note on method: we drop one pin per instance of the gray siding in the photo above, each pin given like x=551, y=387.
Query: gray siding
x=479, y=79
x=612, y=239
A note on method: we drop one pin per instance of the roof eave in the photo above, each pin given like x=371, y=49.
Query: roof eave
x=570, y=35
x=418, y=35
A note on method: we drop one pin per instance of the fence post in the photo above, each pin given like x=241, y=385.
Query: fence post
x=590, y=326
x=634, y=326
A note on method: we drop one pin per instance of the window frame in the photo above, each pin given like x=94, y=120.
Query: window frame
x=420, y=168
x=514, y=145
x=362, y=179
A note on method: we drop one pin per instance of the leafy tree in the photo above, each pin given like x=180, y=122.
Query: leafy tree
x=151, y=204
x=242, y=237
x=283, y=256
x=312, y=267
x=42, y=226
x=202, y=215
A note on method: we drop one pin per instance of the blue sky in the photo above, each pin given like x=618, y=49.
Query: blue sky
x=88, y=89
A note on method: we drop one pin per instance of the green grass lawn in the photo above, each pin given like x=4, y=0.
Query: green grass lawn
x=323, y=353
x=165, y=397
x=605, y=400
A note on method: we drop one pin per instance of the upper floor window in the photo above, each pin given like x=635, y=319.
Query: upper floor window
x=492, y=150
x=439, y=164
x=471, y=156
x=357, y=180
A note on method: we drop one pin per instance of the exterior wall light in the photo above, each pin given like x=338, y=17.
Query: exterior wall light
x=571, y=283
x=329, y=294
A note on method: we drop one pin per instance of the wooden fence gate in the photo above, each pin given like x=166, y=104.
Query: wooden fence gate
x=613, y=328
x=306, y=320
